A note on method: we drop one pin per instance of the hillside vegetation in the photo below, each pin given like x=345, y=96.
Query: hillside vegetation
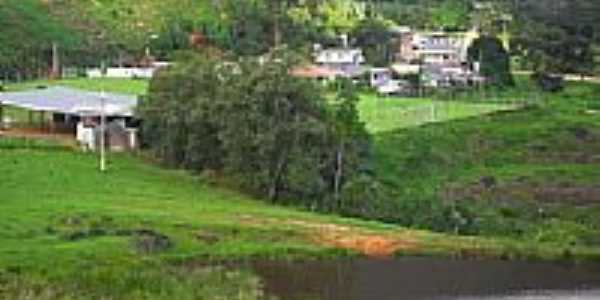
x=115, y=235
x=482, y=167
x=531, y=173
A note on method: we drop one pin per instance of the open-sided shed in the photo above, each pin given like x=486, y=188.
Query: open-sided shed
x=78, y=111
x=71, y=101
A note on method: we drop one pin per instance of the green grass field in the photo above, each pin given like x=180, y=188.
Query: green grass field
x=382, y=114
x=124, y=86
x=532, y=174
x=68, y=231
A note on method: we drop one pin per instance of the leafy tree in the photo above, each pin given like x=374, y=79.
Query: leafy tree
x=351, y=134
x=252, y=121
x=450, y=14
x=373, y=36
x=27, y=34
x=340, y=16
x=559, y=36
x=493, y=59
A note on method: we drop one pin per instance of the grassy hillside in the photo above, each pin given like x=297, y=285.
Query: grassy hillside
x=69, y=231
x=384, y=114
x=532, y=174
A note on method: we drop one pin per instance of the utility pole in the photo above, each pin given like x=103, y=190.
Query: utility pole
x=55, y=62
x=102, y=132
x=1, y=116
x=103, y=122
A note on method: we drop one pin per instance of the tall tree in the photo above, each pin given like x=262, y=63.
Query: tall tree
x=252, y=121
x=493, y=60
x=559, y=36
x=27, y=35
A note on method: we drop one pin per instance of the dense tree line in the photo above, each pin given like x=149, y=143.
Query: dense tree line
x=551, y=35
x=559, y=36
x=493, y=59
x=27, y=34
x=254, y=123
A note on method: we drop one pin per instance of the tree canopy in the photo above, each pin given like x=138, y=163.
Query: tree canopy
x=493, y=59
x=27, y=32
x=559, y=36
x=272, y=133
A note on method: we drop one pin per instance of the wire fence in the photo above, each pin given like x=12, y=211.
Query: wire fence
x=389, y=113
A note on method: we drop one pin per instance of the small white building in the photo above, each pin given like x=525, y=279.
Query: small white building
x=379, y=76
x=339, y=57
x=345, y=62
x=127, y=73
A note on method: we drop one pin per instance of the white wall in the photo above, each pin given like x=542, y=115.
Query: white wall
x=122, y=73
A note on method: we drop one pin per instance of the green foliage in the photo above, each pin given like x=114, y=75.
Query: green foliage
x=529, y=154
x=140, y=282
x=559, y=37
x=27, y=32
x=450, y=14
x=374, y=38
x=251, y=120
x=493, y=59
x=58, y=210
x=340, y=16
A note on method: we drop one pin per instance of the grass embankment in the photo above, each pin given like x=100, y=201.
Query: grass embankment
x=531, y=174
x=69, y=231
x=382, y=114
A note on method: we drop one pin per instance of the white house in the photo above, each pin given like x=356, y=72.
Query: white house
x=346, y=62
x=127, y=73
x=340, y=57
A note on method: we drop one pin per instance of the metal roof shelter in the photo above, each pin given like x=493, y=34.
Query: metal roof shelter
x=71, y=101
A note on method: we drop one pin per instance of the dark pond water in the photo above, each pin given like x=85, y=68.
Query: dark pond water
x=427, y=278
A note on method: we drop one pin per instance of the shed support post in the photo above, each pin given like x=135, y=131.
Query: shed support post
x=1, y=116
x=41, y=120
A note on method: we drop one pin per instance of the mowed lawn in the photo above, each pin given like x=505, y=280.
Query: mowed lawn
x=65, y=225
x=57, y=206
x=383, y=114
x=112, y=85
x=66, y=228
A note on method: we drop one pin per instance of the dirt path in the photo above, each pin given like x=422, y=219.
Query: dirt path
x=64, y=139
x=367, y=242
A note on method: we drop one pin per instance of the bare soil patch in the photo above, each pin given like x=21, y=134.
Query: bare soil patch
x=361, y=240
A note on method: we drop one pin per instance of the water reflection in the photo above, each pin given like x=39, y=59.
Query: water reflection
x=545, y=295
x=427, y=278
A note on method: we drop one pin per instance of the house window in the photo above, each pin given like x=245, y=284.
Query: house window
x=446, y=57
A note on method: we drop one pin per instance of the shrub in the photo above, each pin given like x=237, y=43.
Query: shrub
x=548, y=82
x=272, y=133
